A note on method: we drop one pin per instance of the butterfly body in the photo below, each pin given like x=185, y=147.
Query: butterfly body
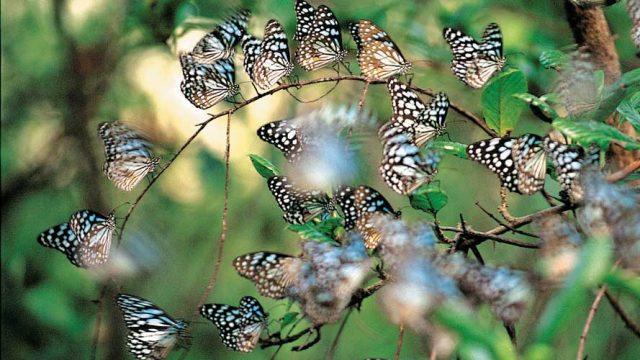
x=318, y=33
x=128, y=157
x=378, y=56
x=85, y=239
x=219, y=43
x=475, y=63
x=299, y=205
x=239, y=327
x=205, y=85
x=152, y=332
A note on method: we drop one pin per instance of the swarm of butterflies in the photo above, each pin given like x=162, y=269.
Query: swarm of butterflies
x=209, y=78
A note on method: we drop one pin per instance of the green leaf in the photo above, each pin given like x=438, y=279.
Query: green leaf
x=593, y=265
x=288, y=319
x=588, y=132
x=429, y=199
x=624, y=280
x=629, y=78
x=263, y=166
x=500, y=109
x=451, y=148
x=323, y=231
x=539, y=103
x=553, y=59
x=630, y=110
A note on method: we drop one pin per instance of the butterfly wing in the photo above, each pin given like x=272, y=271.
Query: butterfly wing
x=369, y=202
x=272, y=273
x=323, y=45
x=403, y=168
x=62, y=238
x=531, y=163
x=219, y=43
x=286, y=136
x=305, y=15
x=94, y=232
x=238, y=328
x=496, y=154
x=273, y=62
x=205, y=85
x=378, y=56
x=492, y=41
x=251, y=50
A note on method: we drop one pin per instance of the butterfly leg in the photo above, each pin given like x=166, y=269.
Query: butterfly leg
x=347, y=66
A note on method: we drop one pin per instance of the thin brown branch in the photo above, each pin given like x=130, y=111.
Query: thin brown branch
x=399, y=343
x=334, y=344
x=363, y=96
x=479, y=237
x=587, y=323
x=275, y=339
x=635, y=328
x=624, y=172
x=500, y=222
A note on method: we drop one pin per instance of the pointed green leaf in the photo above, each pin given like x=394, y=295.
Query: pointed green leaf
x=450, y=147
x=588, y=132
x=263, y=166
x=539, y=103
x=630, y=110
x=500, y=109
x=429, y=199
x=553, y=58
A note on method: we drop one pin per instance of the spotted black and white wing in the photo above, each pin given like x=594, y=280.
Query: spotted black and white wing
x=272, y=273
x=404, y=168
x=205, y=85
x=305, y=15
x=286, y=136
x=531, y=163
x=323, y=44
x=569, y=161
x=219, y=43
x=345, y=198
x=63, y=239
x=273, y=62
x=239, y=327
x=421, y=122
x=378, y=56
x=128, y=157
x=152, y=332
x=94, y=233
x=496, y=154
x=250, y=50
x=299, y=205
x=475, y=63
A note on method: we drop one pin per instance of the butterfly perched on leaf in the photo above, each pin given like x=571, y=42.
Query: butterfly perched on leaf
x=569, y=161
x=475, y=63
x=418, y=121
x=239, y=327
x=318, y=35
x=152, y=332
x=128, y=157
x=219, y=43
x=286, y=135
x=272, y=273
x=299, y=205
x=267, y=61
x=205, y=85
x=85, y=239
x=378, y=56
x=403, y=168
x=358, y=205
x=520, y=163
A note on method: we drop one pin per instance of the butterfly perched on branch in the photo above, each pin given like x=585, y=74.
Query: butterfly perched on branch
x=85, y=239
x=403, y=168
x=520, y=163
x=286, y=135
x=378, y=56
x=272, y=273
x=358, y=205
x=569, y=161
x=267, y=61
x=299, y=205
x=318, y=35
x=239, y=327
x=220, y=43
x=475, y=63
x=128, y=157
x=152, y=332
x=418, y=121
x=205, y=85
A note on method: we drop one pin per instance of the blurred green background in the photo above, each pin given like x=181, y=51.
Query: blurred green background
x=68, y=65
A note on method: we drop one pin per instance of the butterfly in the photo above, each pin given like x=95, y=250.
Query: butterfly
x=272, y=61
x=419, y=121
x=152, y=332
x=403, y=168
x=474, y=63
x=286, y=135
x=128, y=158
x=299, y=205
x=520, y=163
x=272, y=273
x=239, y=327
x=569, y=162
x=205, y=85
x=318, y=33
x=85, y=239
x=357, y=205
x=378, y=56
x=219, y=43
